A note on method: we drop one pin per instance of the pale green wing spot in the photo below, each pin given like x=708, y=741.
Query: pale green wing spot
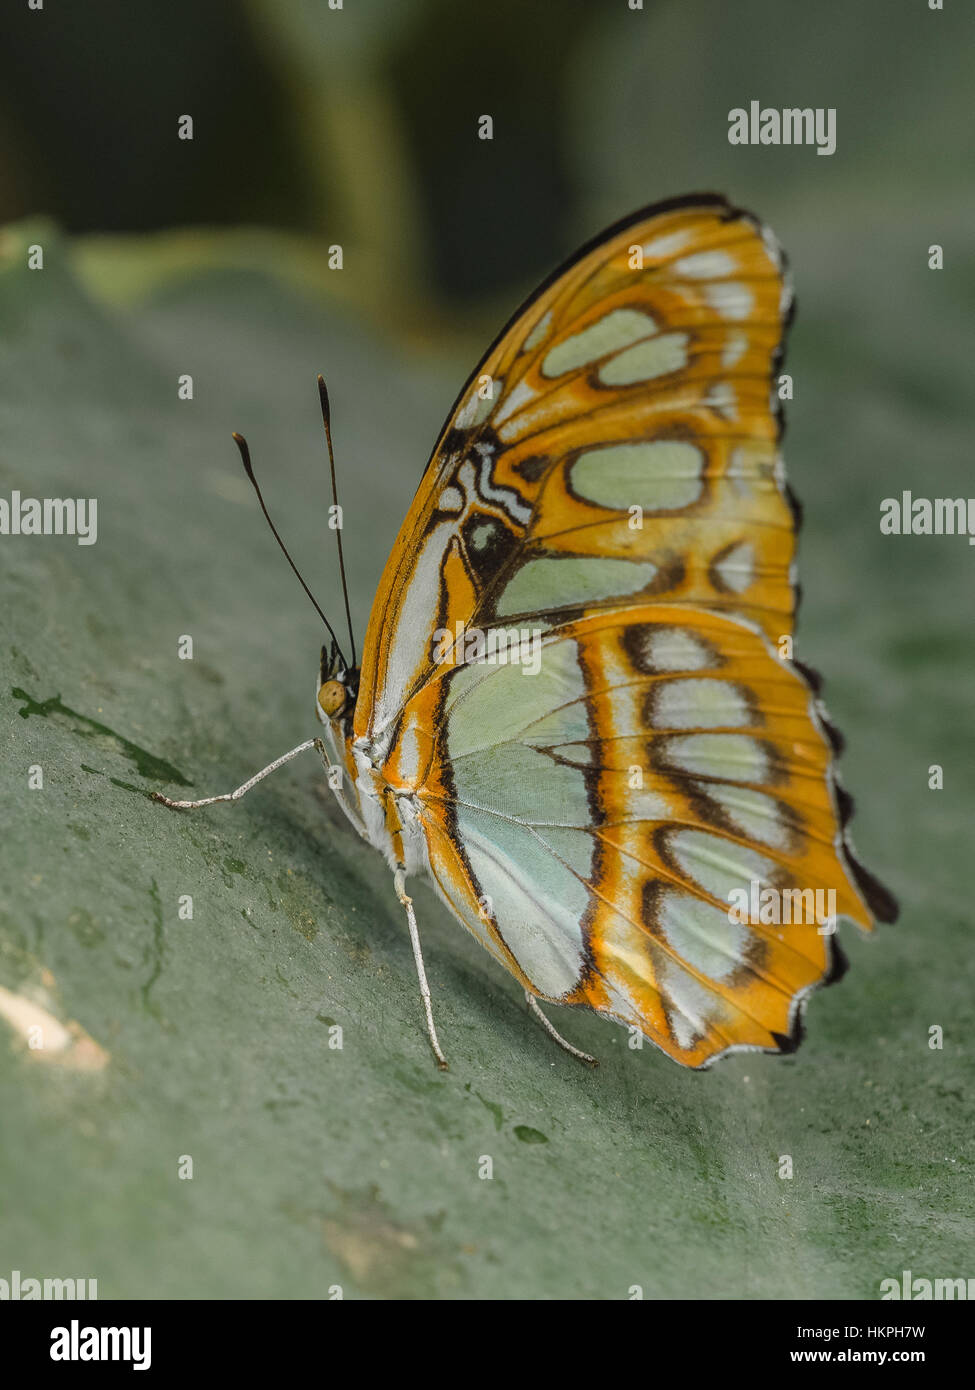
x=574, y=847
x=737, y=569
x=566, y=581
x=521, y=782
x=719, y=866
x=520, y=814
x=646, y=805
x=672, y=649
x=664, y=247
x=755, y=815
x=538, y=333
x=702, y=935
x=699, y=704
x=478, y=407
x=731, y=757
x=537, y=902
x=705, y=265
x=653, y=358
x=566, y=724
x=492, y=704
x=580, y=753
x=481, y=535
x=736, y=345
x=730, y=299
x=513, y=402
x=691, y=1008
x=657, y=476
x=614, y=331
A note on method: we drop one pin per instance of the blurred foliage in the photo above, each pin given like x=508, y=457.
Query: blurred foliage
x=359, y=125
x=99, y=150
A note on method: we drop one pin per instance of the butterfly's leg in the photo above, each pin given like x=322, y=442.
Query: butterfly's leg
x=399, y=880
x=554, y=1033
x=323, y=753
x=252, y=782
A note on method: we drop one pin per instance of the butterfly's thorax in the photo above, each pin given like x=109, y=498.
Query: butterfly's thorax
x=390, y=813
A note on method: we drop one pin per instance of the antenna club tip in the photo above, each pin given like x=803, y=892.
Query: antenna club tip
x=245, y=455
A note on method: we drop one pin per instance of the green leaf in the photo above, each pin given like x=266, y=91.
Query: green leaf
x=213, y=1038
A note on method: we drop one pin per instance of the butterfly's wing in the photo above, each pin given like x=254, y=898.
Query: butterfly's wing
x=610, y=479
x=638, y=376
x=594, y=823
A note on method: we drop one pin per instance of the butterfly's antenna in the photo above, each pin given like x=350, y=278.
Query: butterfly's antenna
x=327, y=422
x=245, y=455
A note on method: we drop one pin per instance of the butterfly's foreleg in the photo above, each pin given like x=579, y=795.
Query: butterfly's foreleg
x=554, y=1033
x=251, y=782
x=399, y=881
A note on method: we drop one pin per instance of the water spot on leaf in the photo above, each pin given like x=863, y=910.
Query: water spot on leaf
x=527, y=1135
x=275, y=1105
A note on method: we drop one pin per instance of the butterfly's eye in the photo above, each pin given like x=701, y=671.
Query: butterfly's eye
x=331, y=697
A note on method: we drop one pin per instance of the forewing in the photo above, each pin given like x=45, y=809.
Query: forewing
x=617, y=445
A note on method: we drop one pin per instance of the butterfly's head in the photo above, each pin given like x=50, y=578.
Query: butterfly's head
x=337, y=687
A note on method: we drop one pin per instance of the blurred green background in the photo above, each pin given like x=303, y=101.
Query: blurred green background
x=313, y=127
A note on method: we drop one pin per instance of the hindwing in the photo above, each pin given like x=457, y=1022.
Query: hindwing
x=595, y=823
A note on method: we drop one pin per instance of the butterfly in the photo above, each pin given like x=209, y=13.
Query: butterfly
x=577, y=709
